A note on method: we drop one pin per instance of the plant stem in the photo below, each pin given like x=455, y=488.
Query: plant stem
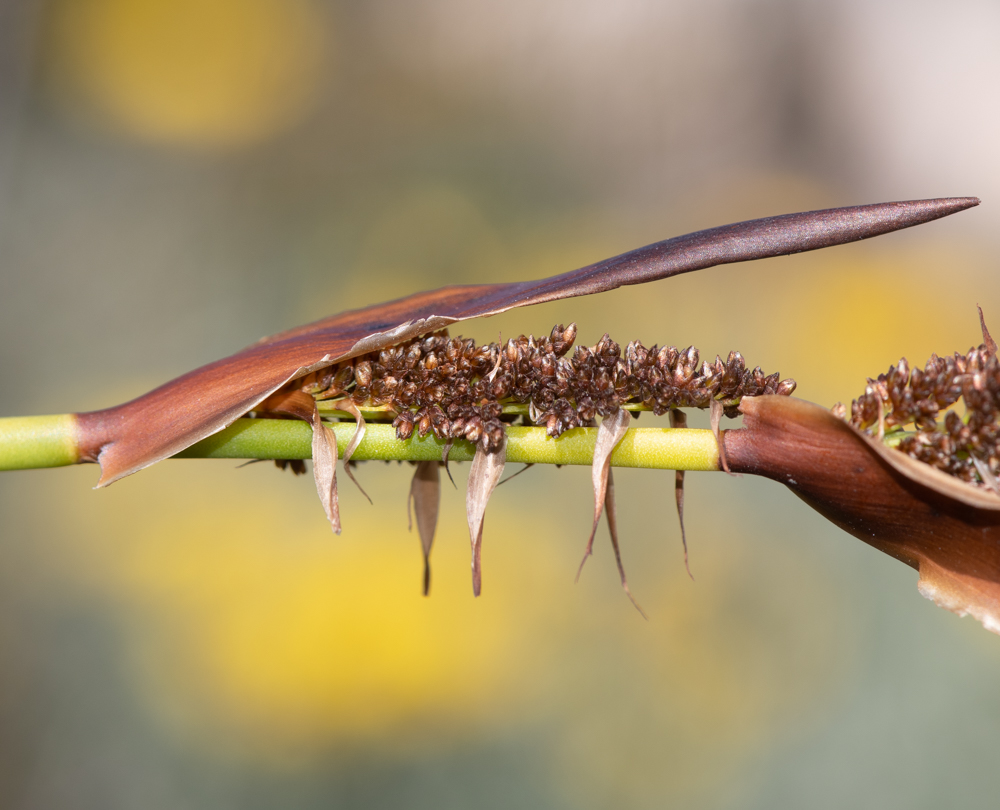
x=29, y=442
x=654, y=448
x=49, y=441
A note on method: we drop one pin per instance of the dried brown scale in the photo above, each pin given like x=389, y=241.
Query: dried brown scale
x=922, y=398
x=455, y=389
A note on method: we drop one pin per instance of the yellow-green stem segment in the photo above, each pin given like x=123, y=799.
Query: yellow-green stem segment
x=29, y=442
x=652, y=448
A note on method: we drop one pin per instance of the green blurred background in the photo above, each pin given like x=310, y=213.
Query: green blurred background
x=181, y=177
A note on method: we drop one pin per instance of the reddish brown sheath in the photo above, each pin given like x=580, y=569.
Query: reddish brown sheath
x=947, y=530
x=129, y=437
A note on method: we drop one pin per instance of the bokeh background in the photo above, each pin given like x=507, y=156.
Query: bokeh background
x=181, y=177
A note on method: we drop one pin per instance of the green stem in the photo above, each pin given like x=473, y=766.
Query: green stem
x=51, y=441
x=30, y=442
x=652, y=448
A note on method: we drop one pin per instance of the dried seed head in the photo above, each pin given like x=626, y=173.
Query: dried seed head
x=455, y=389
x=966, y=448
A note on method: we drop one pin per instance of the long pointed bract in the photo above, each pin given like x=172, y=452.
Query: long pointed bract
x=324, y=447
x=609, y=435
x=484, y=475
x=425, y=496
x=324, y=453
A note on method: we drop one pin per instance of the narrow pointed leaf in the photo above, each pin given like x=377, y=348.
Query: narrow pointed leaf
x=484, y=475
x=425, y=498
x=610, y=433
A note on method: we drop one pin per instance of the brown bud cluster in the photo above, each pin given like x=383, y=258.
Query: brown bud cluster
x=455, y=389
x=946, y=441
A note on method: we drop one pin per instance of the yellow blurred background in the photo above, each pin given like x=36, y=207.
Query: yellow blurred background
x=180, y=178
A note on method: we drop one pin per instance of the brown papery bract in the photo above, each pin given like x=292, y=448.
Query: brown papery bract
x=425, y=499
x=484, y=475
x=946, y=529
x=299, y=405
x=609, y=436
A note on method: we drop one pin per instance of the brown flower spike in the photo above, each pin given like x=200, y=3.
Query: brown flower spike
x=129, y=437
x=454, y=389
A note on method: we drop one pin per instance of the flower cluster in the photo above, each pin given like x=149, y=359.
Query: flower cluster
x=966, y=448
x=455, y=389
